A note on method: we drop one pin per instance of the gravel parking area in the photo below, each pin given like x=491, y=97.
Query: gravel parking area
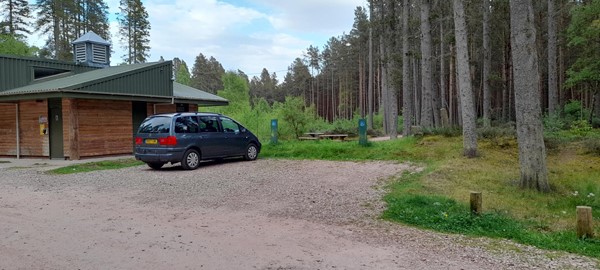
x=266, y=214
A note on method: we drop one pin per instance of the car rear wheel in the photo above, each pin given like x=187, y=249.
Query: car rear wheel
x=155, y=166
x=251, y=152
x=191, y=160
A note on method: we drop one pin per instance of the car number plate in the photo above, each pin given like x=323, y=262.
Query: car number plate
x=151, y=141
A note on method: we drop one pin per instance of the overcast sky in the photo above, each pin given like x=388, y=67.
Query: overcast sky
x=241, y=34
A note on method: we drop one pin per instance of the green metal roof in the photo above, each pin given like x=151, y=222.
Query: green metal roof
x=182, y=92
x=18, y=71
x=149, y=82
x=91, y=37
x=81, y=80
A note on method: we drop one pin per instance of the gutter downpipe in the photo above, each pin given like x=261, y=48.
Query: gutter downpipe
x=18, y=138
x=158, y=104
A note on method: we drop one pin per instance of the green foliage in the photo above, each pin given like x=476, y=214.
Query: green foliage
x=496, y=132
x=97, y=166
x=134, y=31
x=207, y=74
x=592, y=146
x=573, y=110
x=553, y=123
x=447, y=215
x=296, y=114
x=580, y=127
x=11, y=45
x=237, y=92
x=183, y=75
x=583, y=33
x=446, y=132
x=398, y=150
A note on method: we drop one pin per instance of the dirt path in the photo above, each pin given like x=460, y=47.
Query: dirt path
x=266, y=214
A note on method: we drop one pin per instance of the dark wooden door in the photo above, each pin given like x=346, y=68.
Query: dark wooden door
x=55, y=123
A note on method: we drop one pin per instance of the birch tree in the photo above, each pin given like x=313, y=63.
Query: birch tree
x=530, y=137
x=464, y=81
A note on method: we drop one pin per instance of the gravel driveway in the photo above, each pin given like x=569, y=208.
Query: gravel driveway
x=266, y=214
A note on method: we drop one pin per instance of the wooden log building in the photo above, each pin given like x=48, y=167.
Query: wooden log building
x=73, y=110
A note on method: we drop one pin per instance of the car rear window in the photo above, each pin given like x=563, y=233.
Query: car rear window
x=159, y=124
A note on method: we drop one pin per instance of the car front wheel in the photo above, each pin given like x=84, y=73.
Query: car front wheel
x=251, y=152
x=191, y=160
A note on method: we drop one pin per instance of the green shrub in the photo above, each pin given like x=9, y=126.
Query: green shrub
x=580, y=127
x=555, y=142
x=592, y=146
x=553, y=123
x=496, y=132
x=446, y=132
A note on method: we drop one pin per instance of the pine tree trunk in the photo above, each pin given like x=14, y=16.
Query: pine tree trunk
x=443, y=88
x=552, y=69
x=371, y=80
x=417, y=90
x=407, y=98
x=487, y=63
x=532, y=152
x=466, y=90
x=426, y=76
x=451, y=88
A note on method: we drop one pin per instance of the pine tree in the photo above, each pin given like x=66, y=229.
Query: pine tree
x=530, y=136
x=94, y=17
x=207, y=74
x=15, y=13
x=134, y=29
x=64, y=21
x=54, y=18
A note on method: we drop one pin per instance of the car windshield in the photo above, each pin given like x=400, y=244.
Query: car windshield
x=160, y=124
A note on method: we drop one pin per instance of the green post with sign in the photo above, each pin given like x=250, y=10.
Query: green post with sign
x=274, y=131
x=362, y=132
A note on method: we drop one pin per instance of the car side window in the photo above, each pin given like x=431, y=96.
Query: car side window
x=229, y=126
x=186, y=124
x=209, y=124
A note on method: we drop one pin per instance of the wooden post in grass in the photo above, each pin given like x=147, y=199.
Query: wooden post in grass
x=584, y=222
x=476, y=203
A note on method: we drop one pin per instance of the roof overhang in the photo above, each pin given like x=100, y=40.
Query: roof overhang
x=65, y=93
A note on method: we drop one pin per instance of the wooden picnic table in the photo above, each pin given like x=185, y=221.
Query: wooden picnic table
x=314, y=134
x=319, y=135
x=340, y=137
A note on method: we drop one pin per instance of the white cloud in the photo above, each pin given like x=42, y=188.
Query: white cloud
x=248, y=35
x=330, y=17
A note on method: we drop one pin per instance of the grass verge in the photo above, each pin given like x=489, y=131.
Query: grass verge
x=96, y=166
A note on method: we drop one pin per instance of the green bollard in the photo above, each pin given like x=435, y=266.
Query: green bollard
x=362, y=132
x=274, y=131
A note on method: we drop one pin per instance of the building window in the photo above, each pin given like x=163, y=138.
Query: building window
x=181, y=107
x=43, y=72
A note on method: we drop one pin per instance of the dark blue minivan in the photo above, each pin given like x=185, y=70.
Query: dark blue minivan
x=190, y=137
